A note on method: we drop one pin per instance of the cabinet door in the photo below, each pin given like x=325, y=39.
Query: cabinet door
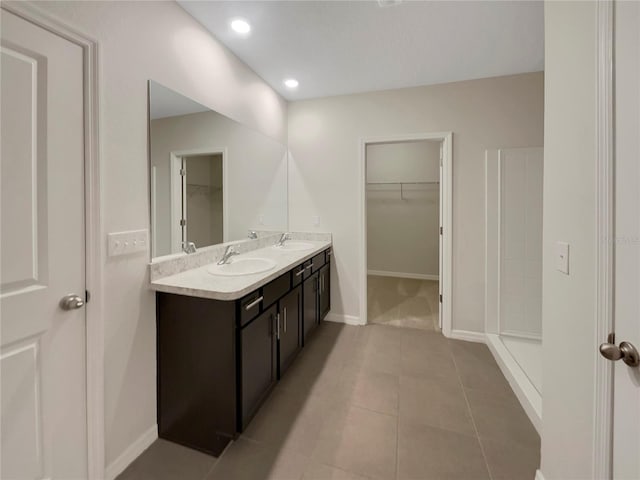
x=290, y=313
x=258, y=351
x=325, y=291
x=310, y=308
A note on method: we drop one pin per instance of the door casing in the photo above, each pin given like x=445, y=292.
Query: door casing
x=446, y=221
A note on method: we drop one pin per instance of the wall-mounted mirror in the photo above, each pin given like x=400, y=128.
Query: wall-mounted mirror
x=212, y=178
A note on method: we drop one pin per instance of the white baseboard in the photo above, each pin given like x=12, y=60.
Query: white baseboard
x=468, y=336
x=539, y=475
x=529, y=397
x=132, y=452
x=340, y=318
x=415, y=276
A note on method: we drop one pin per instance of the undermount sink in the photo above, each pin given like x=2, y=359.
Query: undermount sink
x=242, y=266
x=294, y=246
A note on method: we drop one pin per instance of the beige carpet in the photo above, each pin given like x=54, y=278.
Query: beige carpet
x=402, y=302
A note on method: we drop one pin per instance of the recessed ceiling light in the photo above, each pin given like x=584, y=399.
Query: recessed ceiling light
x=291, y=83
x=240, y=26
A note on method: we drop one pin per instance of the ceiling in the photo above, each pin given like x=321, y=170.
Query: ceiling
x=164, y=102
x=341, y=47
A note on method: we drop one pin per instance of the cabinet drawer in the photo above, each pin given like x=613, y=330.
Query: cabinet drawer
x=307, y=269
x=276, y=289
x=297, y=274
x=250, y=307
x=317, y=262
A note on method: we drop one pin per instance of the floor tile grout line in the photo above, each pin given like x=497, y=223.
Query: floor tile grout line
x=473, y=420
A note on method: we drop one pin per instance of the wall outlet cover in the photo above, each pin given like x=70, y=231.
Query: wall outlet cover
x=562, y=257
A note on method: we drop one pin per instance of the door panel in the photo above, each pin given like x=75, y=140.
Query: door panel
x=42, y=357
x=290, y=309
x=259, y=371
x=626, y=423
x=310, y=308
x=325, y=291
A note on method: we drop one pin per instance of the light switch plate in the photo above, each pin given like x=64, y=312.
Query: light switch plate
x=562, y=257
x=125, y=243
x=316, y=220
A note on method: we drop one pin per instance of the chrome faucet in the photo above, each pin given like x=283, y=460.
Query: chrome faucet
x=188, y=247
x=283, y=238
x=228, y=253
x=252, y=234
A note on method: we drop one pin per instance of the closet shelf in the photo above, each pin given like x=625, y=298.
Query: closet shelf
x=402, y=184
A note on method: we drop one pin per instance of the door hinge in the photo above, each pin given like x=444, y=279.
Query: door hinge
x=440, y=298
x=87, y=296
x=183, y=172
x=183, y=222
x=440, y=230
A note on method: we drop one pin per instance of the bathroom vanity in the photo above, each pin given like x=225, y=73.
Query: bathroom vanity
x=225, y=341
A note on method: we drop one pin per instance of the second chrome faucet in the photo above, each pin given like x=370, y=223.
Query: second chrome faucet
x=228, y=253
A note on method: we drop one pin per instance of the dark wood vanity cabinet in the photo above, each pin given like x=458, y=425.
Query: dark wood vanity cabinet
x=219, y=360
x=196, y=354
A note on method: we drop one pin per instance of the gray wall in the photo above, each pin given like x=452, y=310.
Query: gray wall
x=402, y=233
x=324, y=178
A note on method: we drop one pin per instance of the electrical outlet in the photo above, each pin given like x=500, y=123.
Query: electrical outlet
x=125, y=243
x=316, y=220
x=562, y=257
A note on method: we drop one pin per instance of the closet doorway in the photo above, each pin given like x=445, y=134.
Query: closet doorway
x=406, y=226
x=197, y=198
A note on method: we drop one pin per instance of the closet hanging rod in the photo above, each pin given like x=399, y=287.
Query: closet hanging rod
x=402, y=183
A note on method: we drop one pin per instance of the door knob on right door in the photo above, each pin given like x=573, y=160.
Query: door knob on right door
x=626, y=351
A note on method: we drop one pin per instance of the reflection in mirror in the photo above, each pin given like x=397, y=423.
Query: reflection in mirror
x=212, y=179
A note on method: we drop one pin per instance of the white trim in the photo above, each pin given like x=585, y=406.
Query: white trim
x=539, y=475
x=132, y=452
x=94, y=248
x=415, y=276
x=347, y=319
x=602, y=450
x=468, y=336
x=176, y=201
x=524, y=335
x=154, y=221
x=446, y=202
x=491, y=242
x=527, y=394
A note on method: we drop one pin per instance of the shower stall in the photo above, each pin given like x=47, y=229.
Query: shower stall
x=514, y=188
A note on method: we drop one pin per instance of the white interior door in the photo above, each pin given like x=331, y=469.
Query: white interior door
x=42, y=357
x=626, y=423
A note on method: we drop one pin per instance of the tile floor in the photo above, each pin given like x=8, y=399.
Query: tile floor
x=402, y=302
x=374, y=402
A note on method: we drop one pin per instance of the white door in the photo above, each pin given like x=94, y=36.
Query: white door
x=42, y=357
x=626, y=422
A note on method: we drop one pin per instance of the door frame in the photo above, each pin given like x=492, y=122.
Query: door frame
x=602, y=454
x=175, y=158
x=94, y=247
x=446, y=220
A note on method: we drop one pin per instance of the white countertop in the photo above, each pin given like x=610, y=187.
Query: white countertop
x=198, y=282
